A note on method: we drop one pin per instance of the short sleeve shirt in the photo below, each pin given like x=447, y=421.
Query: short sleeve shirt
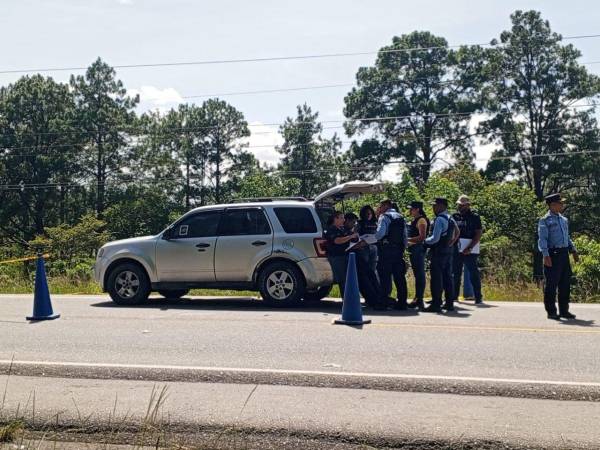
x=467, y=224
x=331, y=234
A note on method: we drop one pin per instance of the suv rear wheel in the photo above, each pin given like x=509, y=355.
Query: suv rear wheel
x=128, y=284
x=281, y=284
x=173, y=293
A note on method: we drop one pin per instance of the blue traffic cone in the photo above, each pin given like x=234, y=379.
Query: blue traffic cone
x=42, y=306
x=351, y=309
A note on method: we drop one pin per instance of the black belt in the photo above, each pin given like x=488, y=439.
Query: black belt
x=558, y=251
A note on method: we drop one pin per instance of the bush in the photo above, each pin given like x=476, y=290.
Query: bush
x=71, y=246
x=587, y=271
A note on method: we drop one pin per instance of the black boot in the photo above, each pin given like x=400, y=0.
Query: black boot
x=433, y=308
x=401, y=305
x=448, y=306
x=417, y=303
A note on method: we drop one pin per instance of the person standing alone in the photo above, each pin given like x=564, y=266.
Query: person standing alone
x=555, y=244
x=466, y=252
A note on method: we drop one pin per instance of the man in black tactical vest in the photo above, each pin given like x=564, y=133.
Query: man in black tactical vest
x=467, y=251
x=391, y=243
x=440, y=250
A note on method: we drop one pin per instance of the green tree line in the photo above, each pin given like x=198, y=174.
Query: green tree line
x=71, y=150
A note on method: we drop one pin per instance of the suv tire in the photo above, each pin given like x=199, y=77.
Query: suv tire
x=318, y=295
x=128, y=284
x=281, y=284
x=174, y=293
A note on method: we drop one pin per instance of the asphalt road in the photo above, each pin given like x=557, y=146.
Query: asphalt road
x=502, y=371
x=507, y=340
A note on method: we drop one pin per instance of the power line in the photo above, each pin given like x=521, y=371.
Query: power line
x=271, y=58
x=406, y=138
x=334, y=169
x=176, y=130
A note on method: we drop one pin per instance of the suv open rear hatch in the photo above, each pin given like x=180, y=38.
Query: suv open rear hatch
x=351, y=189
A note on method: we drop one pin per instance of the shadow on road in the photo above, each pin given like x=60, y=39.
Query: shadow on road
x=580, y=323
x=252, y=304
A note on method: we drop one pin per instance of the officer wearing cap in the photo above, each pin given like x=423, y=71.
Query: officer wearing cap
x=555, y=244
x=440, y=250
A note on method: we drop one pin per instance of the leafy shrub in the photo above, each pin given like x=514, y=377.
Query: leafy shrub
x=70, y=245
x=587, y=271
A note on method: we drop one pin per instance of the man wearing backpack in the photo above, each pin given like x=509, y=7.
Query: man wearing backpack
x=391, y=243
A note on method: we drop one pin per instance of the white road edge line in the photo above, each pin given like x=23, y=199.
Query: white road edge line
x=390, y=376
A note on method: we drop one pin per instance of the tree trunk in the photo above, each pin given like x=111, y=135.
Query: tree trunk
x=187, y=183
x=100, y=178
x=218, y=170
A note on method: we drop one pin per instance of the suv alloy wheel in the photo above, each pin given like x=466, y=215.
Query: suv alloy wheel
x=128, y=284
x=281, y=284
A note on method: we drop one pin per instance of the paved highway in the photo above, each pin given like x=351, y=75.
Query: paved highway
x=501, y=340
x=529, y=380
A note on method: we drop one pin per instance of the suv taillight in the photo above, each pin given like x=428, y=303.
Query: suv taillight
x=320, y=247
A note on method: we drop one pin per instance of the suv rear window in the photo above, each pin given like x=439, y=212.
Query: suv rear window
x=296, y=220
x=244, y=222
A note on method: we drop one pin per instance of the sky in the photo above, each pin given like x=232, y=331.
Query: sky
x=69, y=33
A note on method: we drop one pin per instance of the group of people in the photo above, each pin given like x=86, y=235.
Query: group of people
x=381, y=238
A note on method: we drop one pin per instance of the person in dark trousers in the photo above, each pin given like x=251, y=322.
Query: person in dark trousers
x=471, y=230
x=391, y=243
x=440, y=251
x=555, y=244
x=367, y=224
x=338, y=240
x=418, y=229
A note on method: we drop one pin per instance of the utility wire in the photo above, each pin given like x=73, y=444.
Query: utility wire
x=334, y=169
x=406, y=138
x=271, y=58
x=176, y=130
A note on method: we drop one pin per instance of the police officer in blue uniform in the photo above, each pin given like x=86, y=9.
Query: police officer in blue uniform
x=440, y=251
x=555, y=244
x=391, y=243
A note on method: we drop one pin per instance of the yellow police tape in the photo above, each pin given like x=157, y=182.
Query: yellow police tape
x=29, y=258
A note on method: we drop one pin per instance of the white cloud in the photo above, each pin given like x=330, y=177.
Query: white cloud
x=156, y=96
x=262, y=143
x=125, y=2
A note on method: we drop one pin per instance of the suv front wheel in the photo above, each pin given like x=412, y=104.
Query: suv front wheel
x=128, y=284
x=281, y=284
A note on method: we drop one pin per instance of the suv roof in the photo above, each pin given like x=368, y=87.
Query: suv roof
x=253, y=204
x=329, y=197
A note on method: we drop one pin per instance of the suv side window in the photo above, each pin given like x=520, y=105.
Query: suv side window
x=296, y=220
x=244, y=222
x=203, y=224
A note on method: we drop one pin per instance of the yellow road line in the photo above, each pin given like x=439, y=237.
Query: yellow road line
x=483, y=328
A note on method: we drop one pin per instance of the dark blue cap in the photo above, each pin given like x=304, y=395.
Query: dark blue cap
x=553, y=198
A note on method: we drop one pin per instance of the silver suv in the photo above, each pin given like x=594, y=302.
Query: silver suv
x=270, y=245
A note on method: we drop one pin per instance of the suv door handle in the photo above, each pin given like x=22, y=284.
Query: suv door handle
x=259, y=243
x=202, y=245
